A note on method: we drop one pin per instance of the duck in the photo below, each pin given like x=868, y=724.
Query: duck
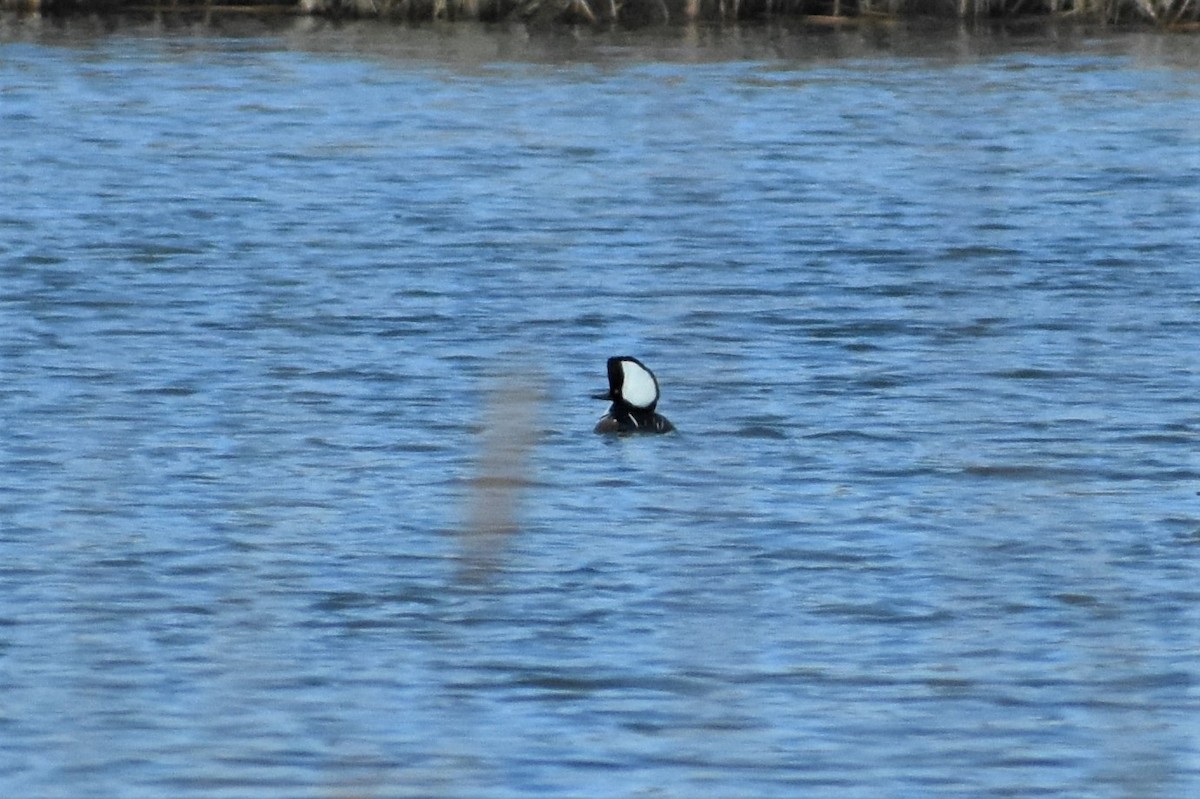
x=633, y=392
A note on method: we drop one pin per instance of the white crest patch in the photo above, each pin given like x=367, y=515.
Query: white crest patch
x=639, y=388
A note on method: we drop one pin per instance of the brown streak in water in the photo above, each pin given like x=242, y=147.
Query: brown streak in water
x=501, y=474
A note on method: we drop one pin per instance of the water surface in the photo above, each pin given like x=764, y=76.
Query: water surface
x=923, y=305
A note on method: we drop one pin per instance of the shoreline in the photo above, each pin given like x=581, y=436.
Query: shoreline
x=1181, y=15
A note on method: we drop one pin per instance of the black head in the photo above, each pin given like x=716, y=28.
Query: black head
x=631, y=385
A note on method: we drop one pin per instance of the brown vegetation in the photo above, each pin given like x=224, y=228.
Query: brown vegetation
x=1176, y=13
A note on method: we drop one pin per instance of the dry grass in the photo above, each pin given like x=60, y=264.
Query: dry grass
x=591, y=12
x=1183, y=14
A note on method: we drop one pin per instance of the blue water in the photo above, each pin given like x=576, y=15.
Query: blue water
x=298, y=490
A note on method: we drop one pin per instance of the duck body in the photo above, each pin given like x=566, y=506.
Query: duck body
x=616, y=421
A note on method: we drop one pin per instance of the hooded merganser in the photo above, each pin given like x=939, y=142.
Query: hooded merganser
x=633, y=391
